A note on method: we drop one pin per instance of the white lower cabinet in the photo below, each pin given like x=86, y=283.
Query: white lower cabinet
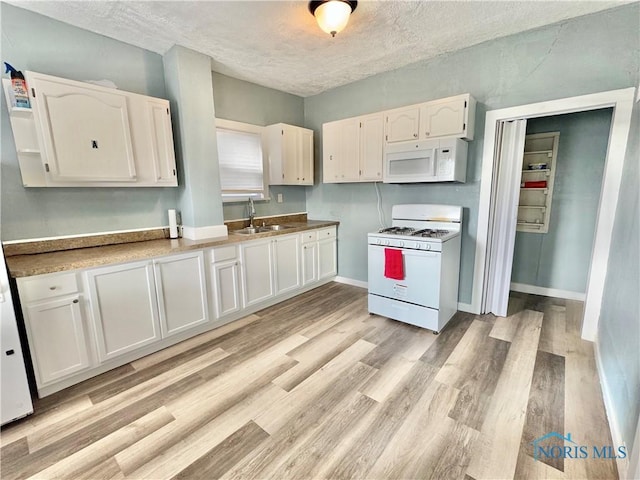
x=309, y=262
x=124, y=308
x=286, y=250
x=319, y=255
x=257, y=267
x=327, y=253
x=56, y=326
x=225, y=279
x=57, y=338
x=270, y=267
x=182, y=292
x=83, y=323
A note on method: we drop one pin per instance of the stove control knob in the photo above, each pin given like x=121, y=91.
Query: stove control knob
x=379, y=242
x=427, y=247
x=401, y=244
x=387, y=242
x=418, y=246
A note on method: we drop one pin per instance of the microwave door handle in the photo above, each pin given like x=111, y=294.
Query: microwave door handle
x=434, y=162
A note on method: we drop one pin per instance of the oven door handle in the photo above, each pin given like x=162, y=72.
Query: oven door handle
x=419, y=253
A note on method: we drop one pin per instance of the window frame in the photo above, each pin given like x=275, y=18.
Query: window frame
x=255, y=129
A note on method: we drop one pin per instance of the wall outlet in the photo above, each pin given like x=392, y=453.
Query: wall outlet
x=279, y=198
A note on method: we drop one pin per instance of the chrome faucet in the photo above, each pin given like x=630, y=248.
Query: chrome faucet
x=252, y=212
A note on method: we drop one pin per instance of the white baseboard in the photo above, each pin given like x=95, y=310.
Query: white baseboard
x=612, y=417
x=351, y=281
x=200, y=233
x=547, y=292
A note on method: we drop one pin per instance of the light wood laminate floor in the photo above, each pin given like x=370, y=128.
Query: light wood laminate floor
x=315, y=387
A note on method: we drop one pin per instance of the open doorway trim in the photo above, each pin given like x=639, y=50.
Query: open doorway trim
x=622, y=103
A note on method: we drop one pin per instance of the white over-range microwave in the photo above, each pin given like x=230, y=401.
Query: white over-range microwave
x=442, y=160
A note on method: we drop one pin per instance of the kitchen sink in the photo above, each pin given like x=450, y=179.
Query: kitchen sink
x=246, y=231
x=264, y=228
x=272, y=228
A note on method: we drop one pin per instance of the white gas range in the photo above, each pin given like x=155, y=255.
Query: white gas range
x=414, y=265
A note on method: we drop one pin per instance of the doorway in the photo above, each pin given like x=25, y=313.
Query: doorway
x=622, y=103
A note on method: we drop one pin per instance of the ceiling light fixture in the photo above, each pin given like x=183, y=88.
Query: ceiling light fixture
x=332, y=15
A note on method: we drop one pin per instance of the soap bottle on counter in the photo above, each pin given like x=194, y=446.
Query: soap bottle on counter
x=18, y=87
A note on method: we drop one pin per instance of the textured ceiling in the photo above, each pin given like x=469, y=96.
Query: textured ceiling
x=277, y=43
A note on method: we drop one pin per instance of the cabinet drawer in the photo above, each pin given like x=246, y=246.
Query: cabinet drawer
x=43, y=287
x=311, y=236
x=220, y=254
x=327, y=233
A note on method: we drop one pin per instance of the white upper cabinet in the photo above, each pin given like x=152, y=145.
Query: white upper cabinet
x=402, y=124
x=447, y=117
x=341, y=151
x=353, y=148
x=161, y=136
x=88, y=135
x=290, y=155
x=85, y=132
x=371, y=147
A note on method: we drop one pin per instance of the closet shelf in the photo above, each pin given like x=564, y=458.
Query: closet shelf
x=540, y=150
x=548, y=153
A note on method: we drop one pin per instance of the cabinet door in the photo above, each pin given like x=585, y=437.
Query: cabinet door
x=290, y=156
x=257, y=278
x=164, y=158
x=309, y=263
x=226, y=287
x=57, y=338
x=371, y=147
x=85, y=131
x=287, y=263
x=349, y=155
x=402, y=124
x=327, y=258
x=182, y=292
x=124, y=308
x=441, y=119
x=305, y=163
x=331, y=139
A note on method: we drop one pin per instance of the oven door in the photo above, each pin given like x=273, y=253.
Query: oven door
x=421, y=283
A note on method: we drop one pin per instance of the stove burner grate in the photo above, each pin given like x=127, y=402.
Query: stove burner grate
x=398, y=230
x=430, y=233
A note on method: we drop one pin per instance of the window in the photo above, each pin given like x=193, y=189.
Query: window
x=241, y=157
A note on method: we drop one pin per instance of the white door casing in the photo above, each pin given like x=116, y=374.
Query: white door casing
x=622, y=103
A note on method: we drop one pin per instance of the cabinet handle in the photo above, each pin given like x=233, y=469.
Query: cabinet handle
x=426, y=133
x=415, y=135
x=76, y=301
x=53, y=288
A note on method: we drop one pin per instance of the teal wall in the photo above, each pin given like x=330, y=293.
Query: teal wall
x=34, y=42
x=560, y=259
x=619, y=326
x=250, y=103
x=589, y=54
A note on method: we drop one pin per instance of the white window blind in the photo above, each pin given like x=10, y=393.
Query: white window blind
x=241, y=163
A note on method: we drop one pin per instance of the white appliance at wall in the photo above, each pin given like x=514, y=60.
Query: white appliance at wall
x=414, y=265
x=439, y=160
x=15, y=398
